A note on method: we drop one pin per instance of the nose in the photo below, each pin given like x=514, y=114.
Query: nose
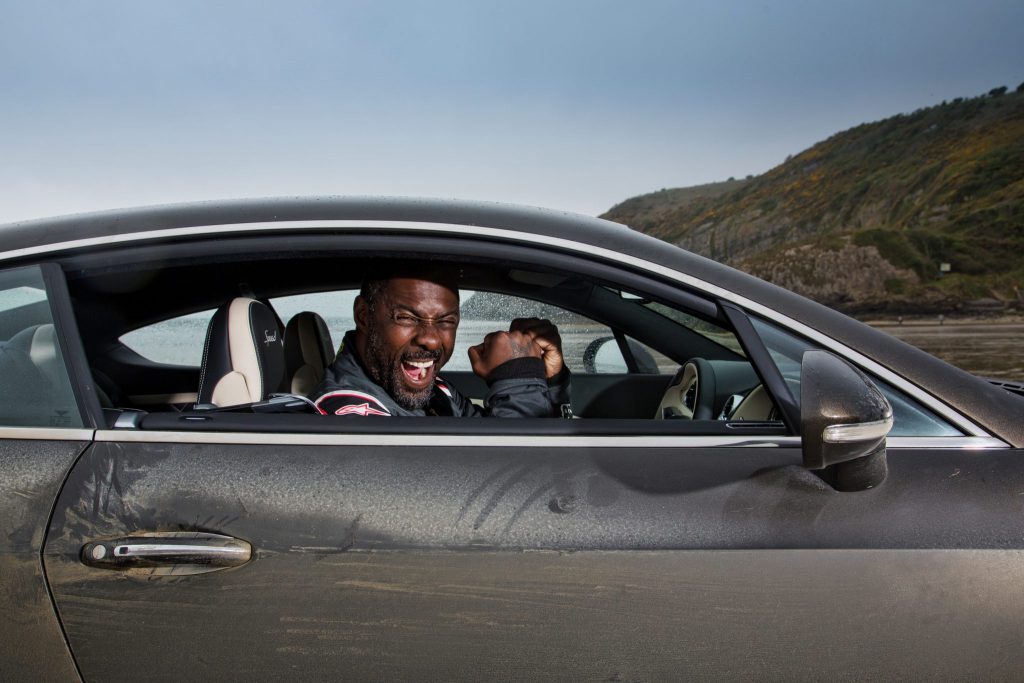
x=427, y=336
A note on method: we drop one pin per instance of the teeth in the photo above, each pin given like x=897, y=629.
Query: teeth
x=422, y=364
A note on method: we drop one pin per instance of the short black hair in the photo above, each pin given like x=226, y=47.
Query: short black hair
x=434, y=271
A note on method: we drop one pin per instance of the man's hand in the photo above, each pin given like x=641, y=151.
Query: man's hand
x=499, y=347
x=545, y=335
x=526, y=338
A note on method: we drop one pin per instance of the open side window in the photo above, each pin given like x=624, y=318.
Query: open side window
x=627, y=336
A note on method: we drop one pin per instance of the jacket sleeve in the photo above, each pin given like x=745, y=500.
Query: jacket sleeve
x=518, y=388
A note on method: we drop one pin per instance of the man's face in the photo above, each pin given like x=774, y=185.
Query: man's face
x=408, y=336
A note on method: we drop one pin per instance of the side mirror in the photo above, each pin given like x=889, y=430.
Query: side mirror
x=844, y=419
x=603, y=355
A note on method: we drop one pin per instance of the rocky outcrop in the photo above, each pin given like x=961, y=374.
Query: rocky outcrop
x=851, y=278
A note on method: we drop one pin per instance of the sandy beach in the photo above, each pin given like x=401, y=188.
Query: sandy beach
x=989, y=346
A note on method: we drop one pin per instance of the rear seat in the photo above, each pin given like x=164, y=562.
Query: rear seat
x=28, y=362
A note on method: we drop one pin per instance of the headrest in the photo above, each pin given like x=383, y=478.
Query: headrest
x=40, y=343
x=32, y=369
x=243, y=358
x=308, y=349
x=28, y=395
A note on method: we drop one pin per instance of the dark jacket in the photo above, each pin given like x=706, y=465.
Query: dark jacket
x=517, y=388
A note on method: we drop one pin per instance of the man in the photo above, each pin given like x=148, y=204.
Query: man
x=405, y=332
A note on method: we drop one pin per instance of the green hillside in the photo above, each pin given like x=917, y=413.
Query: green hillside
x=864, y=220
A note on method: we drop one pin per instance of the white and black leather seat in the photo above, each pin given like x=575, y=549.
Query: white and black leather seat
x=39, y=342
x=308, y=350
x=29, y=368
x=243, y=358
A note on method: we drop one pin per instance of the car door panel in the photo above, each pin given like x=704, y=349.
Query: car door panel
x=30, y=634
x=594, y=615
x=618, y=395
x=501, y=561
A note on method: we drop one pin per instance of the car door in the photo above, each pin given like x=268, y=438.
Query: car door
x=42, y=431
x=604, y=549
x=392, y=555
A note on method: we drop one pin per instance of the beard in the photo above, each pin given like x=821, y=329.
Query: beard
x=386, y=370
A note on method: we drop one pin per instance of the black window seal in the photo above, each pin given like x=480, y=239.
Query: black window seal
x=69, y=341
x=764, y=366
x=241, y=421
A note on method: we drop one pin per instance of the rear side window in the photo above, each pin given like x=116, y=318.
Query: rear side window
x=36, y=390
x=178, y=341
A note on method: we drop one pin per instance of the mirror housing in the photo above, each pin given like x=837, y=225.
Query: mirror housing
x=844, y=419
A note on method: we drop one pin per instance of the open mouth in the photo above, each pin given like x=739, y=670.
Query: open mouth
x=417, y=371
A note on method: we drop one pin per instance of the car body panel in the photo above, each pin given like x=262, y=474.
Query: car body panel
x=591, y=615
x=381, y=562
x=31, y=639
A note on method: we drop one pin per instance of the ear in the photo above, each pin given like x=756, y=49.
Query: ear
x=361, y=313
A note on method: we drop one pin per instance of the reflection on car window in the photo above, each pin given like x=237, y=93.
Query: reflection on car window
x=910, y=417
x=36, y=390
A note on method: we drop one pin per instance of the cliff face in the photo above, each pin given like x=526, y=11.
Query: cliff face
x=852, y=277
x=865, y=219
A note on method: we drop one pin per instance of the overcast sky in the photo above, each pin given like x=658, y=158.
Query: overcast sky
x=571, y=105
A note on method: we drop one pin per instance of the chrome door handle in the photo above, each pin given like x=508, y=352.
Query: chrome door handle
x=172, y=552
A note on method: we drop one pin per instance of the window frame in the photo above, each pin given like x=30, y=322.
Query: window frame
x=674, y=287
x=70, y=343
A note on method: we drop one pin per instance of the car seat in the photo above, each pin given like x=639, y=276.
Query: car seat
x=308, y=350
x=39, y=390
x=28, y=401
x=243, y=357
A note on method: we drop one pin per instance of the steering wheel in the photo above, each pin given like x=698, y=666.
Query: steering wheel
x=690, y=394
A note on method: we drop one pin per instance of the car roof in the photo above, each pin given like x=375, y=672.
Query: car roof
x=56, y=234
x=30, y=240
x=121, y=222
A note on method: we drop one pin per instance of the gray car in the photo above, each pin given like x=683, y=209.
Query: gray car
x=747, y=484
